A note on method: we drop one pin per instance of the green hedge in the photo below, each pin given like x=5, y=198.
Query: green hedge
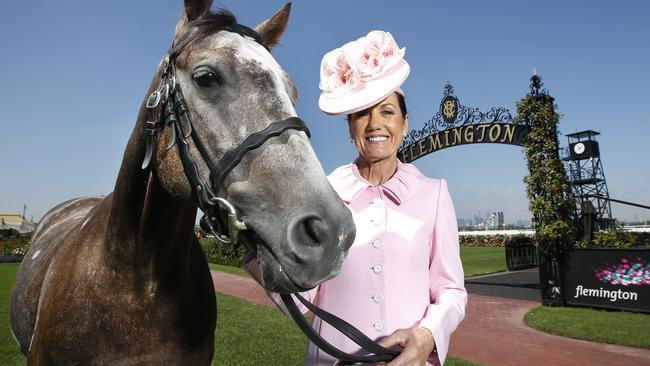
x=484, y=241
x=218, y=253
x=616, y=238
x=14, y=245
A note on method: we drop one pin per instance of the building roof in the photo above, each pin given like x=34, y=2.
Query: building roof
x=581, y=134
x=16, y=223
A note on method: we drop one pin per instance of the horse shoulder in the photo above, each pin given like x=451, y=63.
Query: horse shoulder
x=55, y=228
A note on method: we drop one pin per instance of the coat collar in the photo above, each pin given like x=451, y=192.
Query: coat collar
x=349, y=183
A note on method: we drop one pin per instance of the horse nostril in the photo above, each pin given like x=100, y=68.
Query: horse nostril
x=311, y=232
x=309, y=239
x=316, y=230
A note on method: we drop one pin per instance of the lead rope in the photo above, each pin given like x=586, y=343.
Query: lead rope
x=379, y=353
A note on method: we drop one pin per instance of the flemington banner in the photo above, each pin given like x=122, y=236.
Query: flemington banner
x=608, y=278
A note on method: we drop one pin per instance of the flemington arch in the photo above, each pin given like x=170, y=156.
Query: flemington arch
x=455, y=124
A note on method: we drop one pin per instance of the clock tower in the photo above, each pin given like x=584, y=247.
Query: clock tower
x=587, y=179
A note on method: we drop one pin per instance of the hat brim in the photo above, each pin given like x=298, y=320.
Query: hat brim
x=368, y=94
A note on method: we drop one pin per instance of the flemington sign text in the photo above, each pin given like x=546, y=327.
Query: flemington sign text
x=456, y=125
x=608, y=278
x=499, y=133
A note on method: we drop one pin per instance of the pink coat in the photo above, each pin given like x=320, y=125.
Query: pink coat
x=403, y=269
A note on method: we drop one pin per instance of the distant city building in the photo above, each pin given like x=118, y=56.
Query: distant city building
x=494, y=221
x=461, y=222
x=14, y=225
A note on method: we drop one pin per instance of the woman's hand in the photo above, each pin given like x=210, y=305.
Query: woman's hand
x=417, y=344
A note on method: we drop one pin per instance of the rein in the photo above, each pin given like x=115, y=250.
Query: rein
x=169, y=103
x=377, y=352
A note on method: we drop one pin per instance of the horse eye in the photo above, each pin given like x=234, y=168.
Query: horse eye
x=205, y=78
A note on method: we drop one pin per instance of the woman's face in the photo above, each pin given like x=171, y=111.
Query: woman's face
x=378, y=131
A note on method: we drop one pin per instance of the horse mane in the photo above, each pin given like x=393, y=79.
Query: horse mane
x=211, y=23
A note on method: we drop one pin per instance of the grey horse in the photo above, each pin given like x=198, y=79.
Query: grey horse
x=122, y=279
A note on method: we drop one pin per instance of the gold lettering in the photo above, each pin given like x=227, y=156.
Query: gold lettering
x=423, y=147
x=482, y=128
x=413, y=157
x=404, y=158
x=495, y=136
x=446, y=138
x=434, y=142
x=457, y=135
x=510, y=133
x=469, y=134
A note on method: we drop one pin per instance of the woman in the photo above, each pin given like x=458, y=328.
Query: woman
x=402, y=281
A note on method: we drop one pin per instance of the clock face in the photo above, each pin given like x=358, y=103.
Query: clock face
x=579, y=148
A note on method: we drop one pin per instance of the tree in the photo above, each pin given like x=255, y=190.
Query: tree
x=547, y=187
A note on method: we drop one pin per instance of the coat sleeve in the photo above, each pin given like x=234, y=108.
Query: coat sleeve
x=447, y=292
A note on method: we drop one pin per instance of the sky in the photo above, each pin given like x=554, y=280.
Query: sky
x=74, y=74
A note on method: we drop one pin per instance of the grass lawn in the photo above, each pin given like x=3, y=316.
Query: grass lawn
x=614, y=327
x=9, y=353
x=247, y=334
x=478, y=261
x=228, y=269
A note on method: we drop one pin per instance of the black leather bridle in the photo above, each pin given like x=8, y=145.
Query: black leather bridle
x=166, y=107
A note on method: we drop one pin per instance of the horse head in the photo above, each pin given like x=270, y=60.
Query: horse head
x=229, y=92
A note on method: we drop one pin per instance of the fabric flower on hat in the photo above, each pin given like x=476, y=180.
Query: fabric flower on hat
x=373, y=54
x=337, y=76
x=343, y=69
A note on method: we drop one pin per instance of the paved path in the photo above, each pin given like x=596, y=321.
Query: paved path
x=523, y=285
x=492, y=333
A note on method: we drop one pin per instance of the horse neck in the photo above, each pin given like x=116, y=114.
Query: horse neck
x=147, y=228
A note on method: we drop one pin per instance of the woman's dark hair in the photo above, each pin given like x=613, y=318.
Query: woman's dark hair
x=402, y=106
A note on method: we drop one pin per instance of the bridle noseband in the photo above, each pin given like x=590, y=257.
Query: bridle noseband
x=169, y=103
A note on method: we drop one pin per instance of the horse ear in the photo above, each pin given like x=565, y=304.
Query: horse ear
x=271, y=29
x=194, y=9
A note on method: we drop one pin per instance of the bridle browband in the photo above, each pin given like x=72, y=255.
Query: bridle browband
x=169, y=103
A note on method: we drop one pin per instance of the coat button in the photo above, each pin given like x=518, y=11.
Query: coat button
x=379, y=326
x=376, y=243
x=377, y=268
x=377, y=298
x=377, y=221
x=377, y=202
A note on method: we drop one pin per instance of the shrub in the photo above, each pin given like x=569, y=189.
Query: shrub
x=218, y=253
x=496, y=240
x=17, y=246
x=616, y=238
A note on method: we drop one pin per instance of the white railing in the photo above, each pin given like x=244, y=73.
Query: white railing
x=633, y=229
x=498, y=232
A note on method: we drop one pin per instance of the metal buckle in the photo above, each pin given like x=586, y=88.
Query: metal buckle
x=234, y=224
x=153, y=100
x=164, y=93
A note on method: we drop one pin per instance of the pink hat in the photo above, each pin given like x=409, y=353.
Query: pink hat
x=361, y=73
